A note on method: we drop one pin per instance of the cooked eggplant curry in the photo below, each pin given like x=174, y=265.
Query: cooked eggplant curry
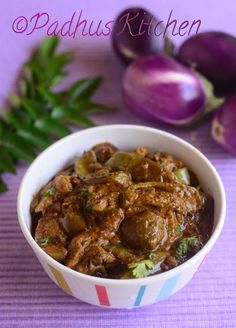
x=119, y=214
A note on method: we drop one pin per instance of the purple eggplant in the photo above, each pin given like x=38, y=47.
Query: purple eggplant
x=159, y=88
x=224, y=123
x=214, y=55
x=134, y=35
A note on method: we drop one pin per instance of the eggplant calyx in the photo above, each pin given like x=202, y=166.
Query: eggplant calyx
x=217, y=131
x=212, y=102
x=169, y=48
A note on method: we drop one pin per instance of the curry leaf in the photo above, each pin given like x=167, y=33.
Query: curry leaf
x=27, y=82
x=38, y=113
x=34, y=136
x=52, y=126
x=46, y=50
x=14, y=99
x=27, y=72
x=6, y=162
x=84, y=88
x=23, y=86
x=80, y=119
x=92, y=108
x=49, y=96
x=3, y=186
x=71, y=116
x=19, y=147
x=37, y=73
x=33, y=108
x=58, y=78
x=48, y=47
x=57, y=66
x=14, y=117
x=2, y=128
x=59, y=112
x=86, y=106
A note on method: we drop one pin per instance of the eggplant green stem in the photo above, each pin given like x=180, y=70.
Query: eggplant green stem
x=212, y=102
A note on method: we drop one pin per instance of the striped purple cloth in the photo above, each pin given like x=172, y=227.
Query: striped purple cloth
x=28, y=298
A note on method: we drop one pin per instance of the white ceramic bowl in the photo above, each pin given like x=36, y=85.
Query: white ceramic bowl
x=107, y=292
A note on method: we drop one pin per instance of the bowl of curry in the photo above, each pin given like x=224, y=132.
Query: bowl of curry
x=121, y=216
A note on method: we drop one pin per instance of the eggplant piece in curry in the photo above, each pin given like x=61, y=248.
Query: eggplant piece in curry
x=119, y=214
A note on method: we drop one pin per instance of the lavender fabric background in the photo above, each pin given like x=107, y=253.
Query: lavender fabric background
x=28, y=298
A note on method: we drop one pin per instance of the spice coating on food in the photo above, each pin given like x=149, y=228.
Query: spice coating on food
x=119, y=214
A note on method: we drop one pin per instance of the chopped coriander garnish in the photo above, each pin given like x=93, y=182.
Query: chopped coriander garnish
x=141, y=269
x=180, y=228
x=152, y=256
x=42, y=241
x=187, y=244
x=49, y=192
